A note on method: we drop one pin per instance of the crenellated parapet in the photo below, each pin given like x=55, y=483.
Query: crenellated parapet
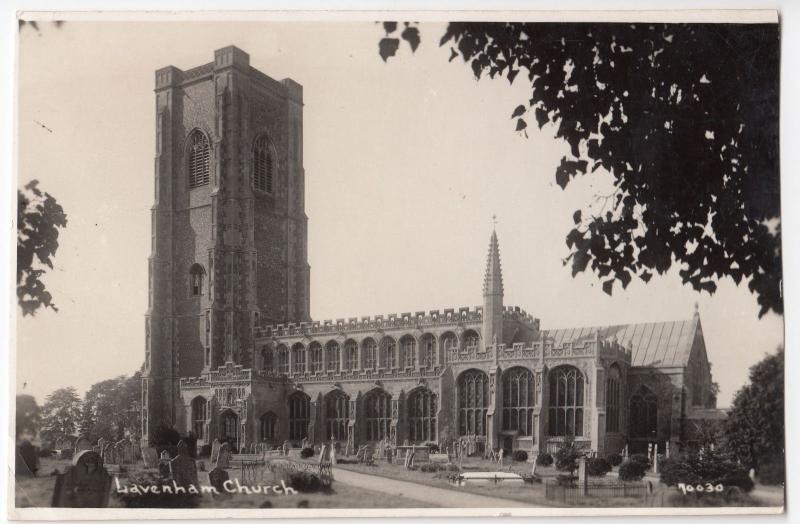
x=419, y=319
x=516, y=313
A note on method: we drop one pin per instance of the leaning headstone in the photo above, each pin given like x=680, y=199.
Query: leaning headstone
x=101, y=443
x=183, y=449
x=109, y=455
x=224, y=457
x=215, y=450
x=333, y=455
x=217, y=478
x=325, y=454
x=28, y=455
x=150, y=457
x=82, y=444
x=85, y=484
x=286, y=447
x=165, y=455
x=183, y=470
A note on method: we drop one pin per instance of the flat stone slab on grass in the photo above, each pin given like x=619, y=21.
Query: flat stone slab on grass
x=490, y=477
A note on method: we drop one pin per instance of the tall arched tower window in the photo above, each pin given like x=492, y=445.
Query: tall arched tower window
x=199, y=416
x=196, y=274
x=263, y=165
x=612, y=399
x=198, y=166
x=566, y=402
x=518, y=401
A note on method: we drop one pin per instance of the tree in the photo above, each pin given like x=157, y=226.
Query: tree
x=60, y=414
x=754, y=430
x=683, y=116
x=39, y=217
x=107, y=409
x=28, y=415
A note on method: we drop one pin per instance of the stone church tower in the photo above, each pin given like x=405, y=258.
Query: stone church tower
x=229, y=237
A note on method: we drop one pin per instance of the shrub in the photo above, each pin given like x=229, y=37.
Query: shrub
x=631, y=470
x=429, y=468
x=566, y=480
x=641, y=458
x=205, y=451
x=597, y=467
x=453, y=467
x=305, y=481
x=544, y=459
x=520, y=455
x=433, y=447
x=306, y=453
x=712, y=467
x=772, y=472
x=567, y=456
x=615, y=459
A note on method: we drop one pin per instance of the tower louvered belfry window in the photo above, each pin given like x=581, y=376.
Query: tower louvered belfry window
x=263, y=165
x=198, y=159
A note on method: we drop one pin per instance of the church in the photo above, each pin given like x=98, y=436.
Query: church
x=232, y=353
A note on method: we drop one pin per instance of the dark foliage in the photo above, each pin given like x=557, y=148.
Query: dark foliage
x=631, y=470
x=46, y=452
x=729, y=498
x=60, y=414
x=430, y=468
x=597, y=467
x=520, y=455
x=39, y=217
x=305, y=481
x=544, y=459
x=433, y=447
x=641, y=458
x=28, y=416
x=773, y=471
x=712, y=467
x=615, y=459
x=567, y=480
x=755, y=428
x=687, y=129
x=306, y=453
x=107, y=408
x=165, y=436
x=567, y=455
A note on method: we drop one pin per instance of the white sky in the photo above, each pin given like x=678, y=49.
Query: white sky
x=405, y=164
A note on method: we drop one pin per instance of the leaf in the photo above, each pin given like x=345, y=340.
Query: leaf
x=411, y=35
x=521, y=125
x=390, y=27
x=579, y=262
x=518, y=111
x=453, y=54
x=608, y=286
x=576, y=217
x=541, y=117
x=387, y=47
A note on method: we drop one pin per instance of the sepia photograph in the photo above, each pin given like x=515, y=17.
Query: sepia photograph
x=431, y=263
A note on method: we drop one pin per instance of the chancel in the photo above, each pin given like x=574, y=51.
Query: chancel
x=232, y=353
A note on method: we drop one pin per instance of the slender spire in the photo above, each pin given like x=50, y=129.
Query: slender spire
x=493, y=280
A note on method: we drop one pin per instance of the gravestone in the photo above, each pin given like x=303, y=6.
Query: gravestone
x=215, y=450
x=217, y=478
x=124, y=451
x=325, y=455
x=150, y=457
x=285, y=447
x=439, y=458
x=101, y=443
x=333, y=454
x=389, y=455
x=27, y=459
x=224, y=456
x=422, y=455
x=183, y=470
x=165, y=455
x=109, y=454
x=409, y=461
x=85, y=484
x=82, y=444
x=500, y=455
x=304, y=443
x=183, y=449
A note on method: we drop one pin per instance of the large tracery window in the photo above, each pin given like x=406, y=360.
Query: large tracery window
x=473, y=399
x=298, y=358
x=409, y=352
x=315, y=357
x=566, y=402
x=612, y=400
x=388, y=353
x=267, y=426
x=644, y=413
x=263, y=164
x=332, y=352
x=283, y=360
x=422, y=415
x=199, y=416
x=378, y=414
x=337, y=415
x=299, y=415
x=198, y=159
x=350, y=355
x=370, y=354
x=428, y=346
x=518, y=401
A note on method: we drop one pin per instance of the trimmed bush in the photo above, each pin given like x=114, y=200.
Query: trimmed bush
x=615, y=459
x=306, y=453
x=520, y=455
x=597, y=467
x=544, y=459
x=305, y=481
x=641, y=458
x=566, y=480
x=773, y=472
x=566, y=457
x=631, y=470
x=429, y=468
x=433, y=447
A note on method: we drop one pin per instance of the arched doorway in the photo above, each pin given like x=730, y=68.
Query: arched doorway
x=229, y=427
